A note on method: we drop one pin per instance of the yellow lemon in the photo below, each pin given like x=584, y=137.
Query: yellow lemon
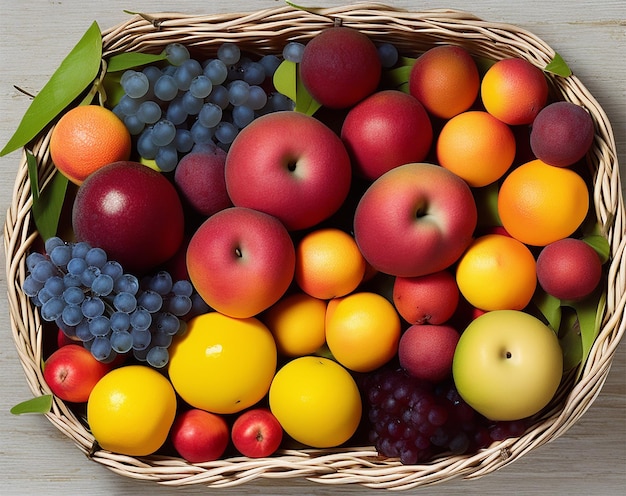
x=316, y=401
x=131, y=409
x=223, y=364
x=362, y=331
x=297, y=323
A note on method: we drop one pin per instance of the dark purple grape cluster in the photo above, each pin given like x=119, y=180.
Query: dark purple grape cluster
x=415, y=421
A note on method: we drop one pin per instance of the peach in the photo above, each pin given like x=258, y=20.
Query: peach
x=569, y=269
x=414, y=220
x=241, y=261
x=446, y=80
x=340, y=66
x=429, y=299
x=427, y=351
x=199, y=177
x=514, y=91
x=387, y=129
x=561, y=134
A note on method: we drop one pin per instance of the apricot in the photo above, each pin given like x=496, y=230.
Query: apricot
x=569, y=269
x=561, y=134
x=514, y=91
x=340, y=67
x=445, y=80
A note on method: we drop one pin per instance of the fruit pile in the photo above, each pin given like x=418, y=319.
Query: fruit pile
x=336, y=246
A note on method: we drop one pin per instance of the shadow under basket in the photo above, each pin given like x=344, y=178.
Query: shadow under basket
x=267, y=31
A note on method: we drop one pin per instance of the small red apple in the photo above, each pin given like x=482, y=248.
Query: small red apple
x=200, y=436
x=71, y=372
x=426, y=351
x=257, y=433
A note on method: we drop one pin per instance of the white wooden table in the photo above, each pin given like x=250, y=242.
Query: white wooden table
x=36, y=459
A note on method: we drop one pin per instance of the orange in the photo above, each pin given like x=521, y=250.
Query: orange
x=539, y=203
x=497, y=272
x=328, y=264
x=445, y=80
x=514, y=91
x=131, y=409
x=477, y=147
x=87, y=138
x=297, y=324
x=362, y=331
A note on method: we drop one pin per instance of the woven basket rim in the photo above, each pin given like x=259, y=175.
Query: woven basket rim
x=266, y=30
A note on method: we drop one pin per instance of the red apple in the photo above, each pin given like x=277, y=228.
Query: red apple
x=291, y=166
x=257, y=433
x=199, y=436
x=387, y=129
x=71, y=372
x=132, y=212
x=414, y=220
x=199, y=177
x=340, y=66
x=241, y=261
x=428, y=299
x=426, y=351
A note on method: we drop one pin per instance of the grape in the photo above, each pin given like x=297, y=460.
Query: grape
x=43, y=270
x=150, y=301
x=52, y=309
x=135, y=84
x=293, y=51
x=61, y=255
x=102, y=285
x=191, y=103
x=153, y=73
x=71, y=280
x=128, y=105
x=183, y=141
x=161, y=283
x=92, y=307
x=216, y=71
x=210, y=115
x=120, y=321
x=270, y=63
x=228, y=53
x=127, y=283
x=161, y=339
x=176, y=53
x=101, y=348
x=145, y=146
x=33, y=258
x=141, y=338
x=113, y=269
x=253, y=73
x=88, y=276
x=166, y=88
x=183, y=78
x=238, y=92
x=100, y=325
x=201, y=86
x=76, y=266
x=179, y=305
x=167, y=158
x=54, y=285
x=182, y=288
x=242, y=116
x=31, y=286
x=163, y=133
x=121, y=341
x=134, y=124
x=140, y=319
x=219, y=96
x=176, y=112
x=148, y=112
x=52, y=242
x=225, y=132
x=125, y=302
x=73, y=295
x=72, y=315
x=388, y=54
x=167, y=323
x=201, y=134
x=96, y=257
x=157, y=357
x=80, y=249
x=82, y=331
x=257, y=98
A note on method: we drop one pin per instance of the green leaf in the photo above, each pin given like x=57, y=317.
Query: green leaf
x=31, y=166
x=570, y=340
x=486, y=198
x=287, y=82
x=76, y=72
x=550, y=308
x=558, y=66
x=305, y=103
x=397, y=77
x=128, y=60
x=589, y=313
x=600, y=244
x=313, y=10
x=47, y=208
x=38, y=404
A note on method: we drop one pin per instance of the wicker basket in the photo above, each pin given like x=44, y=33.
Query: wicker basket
x=266, y=32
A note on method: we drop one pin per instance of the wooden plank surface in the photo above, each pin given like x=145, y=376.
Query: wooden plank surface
x=36, y=459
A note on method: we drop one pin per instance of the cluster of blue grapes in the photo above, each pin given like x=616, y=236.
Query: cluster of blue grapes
x=92, y=300
x=187, y=102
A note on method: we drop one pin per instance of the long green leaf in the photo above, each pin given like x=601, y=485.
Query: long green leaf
x=47, y=209
x=75, y=73
x=31, y=166
x=128, y=60
x=38, y=404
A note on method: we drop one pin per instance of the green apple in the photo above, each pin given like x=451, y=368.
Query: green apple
x=507, y=365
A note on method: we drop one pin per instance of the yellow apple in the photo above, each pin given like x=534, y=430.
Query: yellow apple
x=507, y=365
